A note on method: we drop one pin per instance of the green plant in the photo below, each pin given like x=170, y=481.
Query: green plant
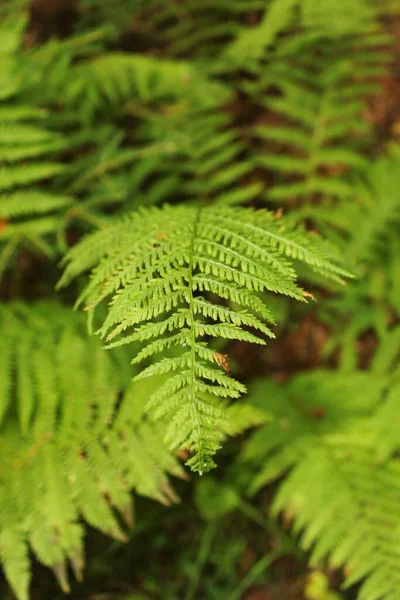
x=71, y=447
x=157, y=264
x=150, y=178
x=319, y=120
x=341, y=482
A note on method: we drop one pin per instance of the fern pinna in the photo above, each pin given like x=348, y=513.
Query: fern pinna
x=167, y=271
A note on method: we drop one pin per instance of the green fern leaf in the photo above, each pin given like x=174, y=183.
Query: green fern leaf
x=73, y=448
x=341, y=499
x=157, y=264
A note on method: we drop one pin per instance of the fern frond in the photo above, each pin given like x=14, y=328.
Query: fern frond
x=322, y=133
x=156, y=264
x=250, y=44
x=72, y=447
x=242, y=416
x=13, y=176
x=116, y=81
x=200, y=28
x=182, y=146
x=21, y=203
x=373, y=252
x=34, y=140
x=379, y=209
x=340, y=17
x=341, y=499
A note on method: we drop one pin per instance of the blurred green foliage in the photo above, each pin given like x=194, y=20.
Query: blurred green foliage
x=288, y=106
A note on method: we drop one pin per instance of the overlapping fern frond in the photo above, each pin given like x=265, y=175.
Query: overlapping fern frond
x=373, y=254
x=378, y=211
x=338, y=17
x=314, y=146
x=40, y=192
x=183, y=143
x=118, y=82
x=272, y=23
x=213, y=162
x=240, y=32
x=341, y=483
x=119, y=14
x=199, y=28
x=72, y=449
x=180, y=275
x=270, y=91
x=32, y=148
x=19, y=141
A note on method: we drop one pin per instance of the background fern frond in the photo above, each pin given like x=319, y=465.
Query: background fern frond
x=340, y=498
x=119, y=81
x=317, y=119
x=31, y=152
x=144, y=141
x=72, y=449
x=373, y=252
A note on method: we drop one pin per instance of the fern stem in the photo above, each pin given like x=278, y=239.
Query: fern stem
x=205, y=546
x=79, y=213
x=318, y=137
x=192, y=324
x=117, y=162
x=269, y=525
x=257, y=570
x=7, y=253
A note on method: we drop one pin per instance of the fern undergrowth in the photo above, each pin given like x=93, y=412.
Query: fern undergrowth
x=201, y=173
x=72, y=448
x=333, y=438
